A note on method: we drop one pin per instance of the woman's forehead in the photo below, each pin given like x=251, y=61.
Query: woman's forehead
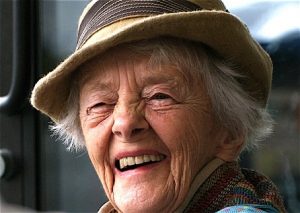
x=107, y=80
x=106, y=70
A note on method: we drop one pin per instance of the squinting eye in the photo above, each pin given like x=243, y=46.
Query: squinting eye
x=160, y=96
x=98, y=108
x=160, y=100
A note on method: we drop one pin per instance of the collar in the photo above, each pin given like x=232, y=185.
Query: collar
x=204, y=173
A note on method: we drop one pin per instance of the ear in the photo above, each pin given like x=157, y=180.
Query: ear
x=229, y=148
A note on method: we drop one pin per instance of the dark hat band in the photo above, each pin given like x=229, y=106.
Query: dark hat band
x=105, y=12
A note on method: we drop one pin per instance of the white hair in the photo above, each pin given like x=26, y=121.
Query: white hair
x=233, y=108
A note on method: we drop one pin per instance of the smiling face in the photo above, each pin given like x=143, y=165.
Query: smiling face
x=147, y=129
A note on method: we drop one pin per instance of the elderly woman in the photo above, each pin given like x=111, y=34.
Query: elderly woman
x=164, y=95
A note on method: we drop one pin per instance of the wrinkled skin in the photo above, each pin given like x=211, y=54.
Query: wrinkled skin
x=129, y=109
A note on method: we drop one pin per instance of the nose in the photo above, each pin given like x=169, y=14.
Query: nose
x=129, y=121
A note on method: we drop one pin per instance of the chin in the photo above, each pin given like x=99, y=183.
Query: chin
x=144, y=192
x=146, y=203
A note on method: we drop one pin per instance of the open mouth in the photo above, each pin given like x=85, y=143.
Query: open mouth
x=129, y=163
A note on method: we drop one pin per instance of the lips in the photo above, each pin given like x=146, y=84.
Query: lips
x=133, y=162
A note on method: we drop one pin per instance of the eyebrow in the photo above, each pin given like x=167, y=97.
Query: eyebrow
x=150, y=80
x=101, y=86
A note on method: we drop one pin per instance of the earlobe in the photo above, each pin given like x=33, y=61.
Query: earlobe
x=229, y=149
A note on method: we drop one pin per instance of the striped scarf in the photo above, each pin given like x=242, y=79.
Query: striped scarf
x=229, y=185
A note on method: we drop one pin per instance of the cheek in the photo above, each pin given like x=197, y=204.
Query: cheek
x=97, y=145
x=97, y=136
x=187, y=134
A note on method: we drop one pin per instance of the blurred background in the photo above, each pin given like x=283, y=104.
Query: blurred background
x=36, y=170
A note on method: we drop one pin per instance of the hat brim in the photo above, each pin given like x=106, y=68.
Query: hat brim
x=221, y=31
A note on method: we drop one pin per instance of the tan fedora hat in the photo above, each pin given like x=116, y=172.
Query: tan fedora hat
x=107, y=23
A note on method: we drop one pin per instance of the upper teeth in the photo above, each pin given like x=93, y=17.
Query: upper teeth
x=129, y=161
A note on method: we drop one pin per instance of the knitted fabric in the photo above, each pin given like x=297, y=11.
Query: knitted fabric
x=230, y=185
